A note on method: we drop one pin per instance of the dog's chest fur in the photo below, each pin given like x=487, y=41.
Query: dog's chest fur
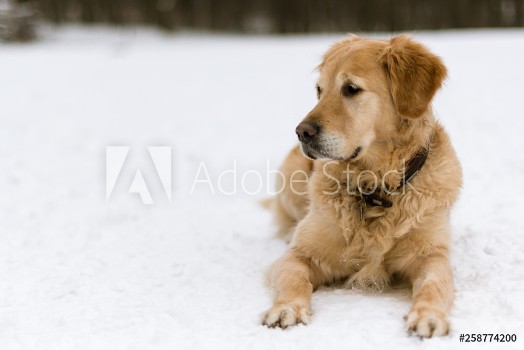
x=355, y=240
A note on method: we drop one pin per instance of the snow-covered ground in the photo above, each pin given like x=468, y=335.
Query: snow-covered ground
x=80, y=272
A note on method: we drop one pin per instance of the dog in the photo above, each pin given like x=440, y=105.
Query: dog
x=368, y=191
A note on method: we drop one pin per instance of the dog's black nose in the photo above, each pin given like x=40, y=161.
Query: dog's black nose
x=306, y=131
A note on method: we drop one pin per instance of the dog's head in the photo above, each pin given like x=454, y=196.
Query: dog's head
x=365, y=88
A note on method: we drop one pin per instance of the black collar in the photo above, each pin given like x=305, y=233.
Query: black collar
x=416, y=163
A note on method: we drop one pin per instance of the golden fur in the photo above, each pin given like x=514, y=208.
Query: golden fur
x=389, y=119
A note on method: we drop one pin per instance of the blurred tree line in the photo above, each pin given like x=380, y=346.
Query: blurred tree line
x=289, y=16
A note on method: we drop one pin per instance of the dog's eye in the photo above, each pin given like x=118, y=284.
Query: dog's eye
x=350, y=90
x=319, y=91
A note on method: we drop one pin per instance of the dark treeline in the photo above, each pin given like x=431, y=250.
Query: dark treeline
x=290, y=16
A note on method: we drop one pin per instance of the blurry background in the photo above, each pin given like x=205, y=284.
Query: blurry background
x=276, y=16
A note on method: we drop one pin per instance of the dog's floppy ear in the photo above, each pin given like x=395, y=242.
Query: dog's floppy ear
x=414, y=73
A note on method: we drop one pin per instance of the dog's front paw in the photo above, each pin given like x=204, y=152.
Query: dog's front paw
x=426, y=322
x=285, y=315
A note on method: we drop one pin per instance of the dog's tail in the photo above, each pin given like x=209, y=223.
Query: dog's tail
x=267, y=202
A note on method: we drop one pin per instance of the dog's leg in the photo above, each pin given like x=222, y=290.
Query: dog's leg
x=292, y=280
x=432, y=296
x=291, y=202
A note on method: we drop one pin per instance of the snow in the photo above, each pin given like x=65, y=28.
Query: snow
x=80, y=272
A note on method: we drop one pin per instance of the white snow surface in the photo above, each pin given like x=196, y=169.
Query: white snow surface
x=80, y=272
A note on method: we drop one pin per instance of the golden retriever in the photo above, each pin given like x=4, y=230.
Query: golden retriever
x=369, y=203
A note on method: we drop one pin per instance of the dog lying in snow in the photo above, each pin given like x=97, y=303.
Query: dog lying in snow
x=367, y=194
